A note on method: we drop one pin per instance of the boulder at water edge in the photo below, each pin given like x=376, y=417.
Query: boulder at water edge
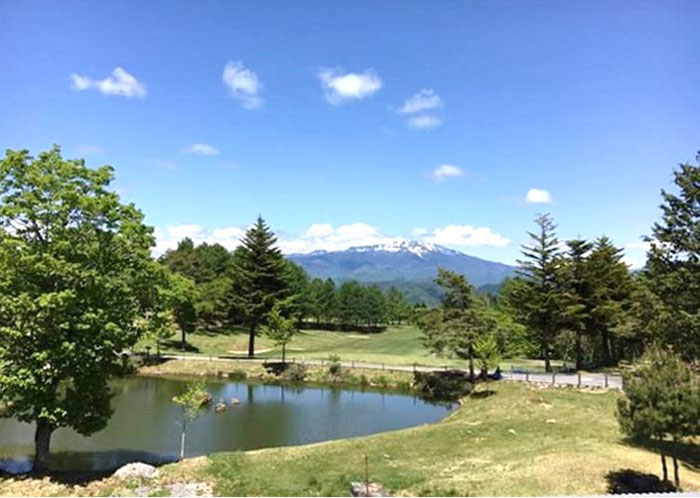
x=136, y=469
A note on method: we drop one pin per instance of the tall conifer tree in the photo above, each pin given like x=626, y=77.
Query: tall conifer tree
x=259, y=278
x=673, y=264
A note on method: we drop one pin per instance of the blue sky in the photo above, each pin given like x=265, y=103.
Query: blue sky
x=357, y=122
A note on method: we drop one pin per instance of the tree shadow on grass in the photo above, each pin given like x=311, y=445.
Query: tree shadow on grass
x=176, y=346
x=686, y=452
x=632, y=481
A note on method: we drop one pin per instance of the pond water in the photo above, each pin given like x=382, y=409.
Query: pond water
x=146, y=423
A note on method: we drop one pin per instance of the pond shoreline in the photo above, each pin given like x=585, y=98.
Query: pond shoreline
x=316, y=376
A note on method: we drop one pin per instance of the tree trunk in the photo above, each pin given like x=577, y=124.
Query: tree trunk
x=284, y=348
x=579, y=353
x=471, y=364
x=42, y=441
x=547, y=362
x=251, y=342
x=606, y=347
x=183, y=339
x=182, y=439
x=664, y=467
x=676, y=477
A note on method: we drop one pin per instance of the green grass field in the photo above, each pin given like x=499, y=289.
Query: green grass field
x=520, y=441
x=398, y=345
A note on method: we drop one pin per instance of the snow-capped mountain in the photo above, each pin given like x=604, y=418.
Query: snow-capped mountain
x=407, y=261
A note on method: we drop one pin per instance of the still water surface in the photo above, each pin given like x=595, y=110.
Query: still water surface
x=146, y=423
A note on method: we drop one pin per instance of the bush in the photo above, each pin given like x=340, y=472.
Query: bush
x=447, y=385
x=296, y=372
x=334, y=367
x=382, y=381
x=364, y=381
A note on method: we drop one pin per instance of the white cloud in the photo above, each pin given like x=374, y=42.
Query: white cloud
x=422, y=101
x=88, y=149
x=417, y=108
x=244, y=84
x=202, y=149
x=168, y=238
x=466, y=235
x=636, y=253
x=639, y=245
x=538, y=196
x=119, y=83
x=323, y=236
x=446, y=171
x=340, y=87
x=424, y=121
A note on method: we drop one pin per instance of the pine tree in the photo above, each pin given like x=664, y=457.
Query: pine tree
x=673, y=264
x=258, y=278
x=575, y=274
x=662, y=401
x=610, y=290
x=541, y=298
x=329, y=301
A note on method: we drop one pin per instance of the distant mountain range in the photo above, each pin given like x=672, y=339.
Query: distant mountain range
x=411, y=266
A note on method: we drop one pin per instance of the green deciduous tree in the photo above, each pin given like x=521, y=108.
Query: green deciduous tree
x=193, y=402
x=75, y=277
x=182, y=296
x=280, y=330
x=259, y=272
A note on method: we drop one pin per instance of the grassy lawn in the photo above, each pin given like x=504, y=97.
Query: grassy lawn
x=396, y=345
x=520, y=441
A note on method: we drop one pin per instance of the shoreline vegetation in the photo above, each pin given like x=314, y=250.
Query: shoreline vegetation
x=551, y=441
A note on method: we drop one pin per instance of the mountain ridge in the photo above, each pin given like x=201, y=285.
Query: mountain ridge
x=407, y=261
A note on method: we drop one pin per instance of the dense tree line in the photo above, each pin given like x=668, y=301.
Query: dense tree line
x=579, y=301
x=241, y=287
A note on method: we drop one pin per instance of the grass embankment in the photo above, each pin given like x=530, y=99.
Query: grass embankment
x=523, y=440
x=358, y=377
x=397, y=345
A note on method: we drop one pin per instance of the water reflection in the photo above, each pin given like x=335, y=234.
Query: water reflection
x=146, y=424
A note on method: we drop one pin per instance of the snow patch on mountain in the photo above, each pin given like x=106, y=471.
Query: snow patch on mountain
x=418, y=247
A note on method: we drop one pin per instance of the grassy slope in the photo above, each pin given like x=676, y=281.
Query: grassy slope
x=397, y=345
x=521, y=441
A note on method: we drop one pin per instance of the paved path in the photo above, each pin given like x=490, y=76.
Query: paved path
x=558, y=379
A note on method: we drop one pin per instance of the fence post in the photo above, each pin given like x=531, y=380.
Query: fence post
x=382, y=366
x=414, y=367
x=579, y=379
x=527, y=376
x=352, y=363
x=606, y=380
x=553, y=374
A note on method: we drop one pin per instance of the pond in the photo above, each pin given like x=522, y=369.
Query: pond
x=146, y=423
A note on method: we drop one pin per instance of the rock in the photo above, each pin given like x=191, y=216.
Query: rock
x=551, y=421
x=136, y=469
x=220, y=407
x=235, y=401
x=360, y=489
x=512, y=431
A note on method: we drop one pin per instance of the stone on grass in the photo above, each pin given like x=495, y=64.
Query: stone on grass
x=358, y=488
x=136, y=469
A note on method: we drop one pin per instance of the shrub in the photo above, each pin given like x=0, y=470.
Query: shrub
x=296, y=372
x=447, y=385
x=382, y=381
x=334, y=367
